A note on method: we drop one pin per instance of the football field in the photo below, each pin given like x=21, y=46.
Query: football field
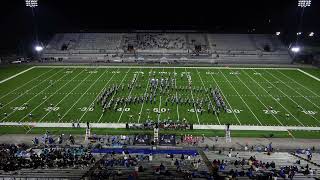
x=199, y=95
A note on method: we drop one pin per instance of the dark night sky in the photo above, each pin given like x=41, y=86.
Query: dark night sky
x=92, y=15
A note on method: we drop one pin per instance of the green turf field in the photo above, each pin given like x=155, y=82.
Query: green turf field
x=248, y=94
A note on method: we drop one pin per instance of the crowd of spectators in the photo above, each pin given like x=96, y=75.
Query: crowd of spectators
x=161, y=41
x=253, y=168
x=15, y=157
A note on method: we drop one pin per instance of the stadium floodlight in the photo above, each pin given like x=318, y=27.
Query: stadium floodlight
x=278, y=33
x=295, y=49
x=299, y=33
x=311, y=34
x=304, y=3
x=31, y=3
x=38, y=48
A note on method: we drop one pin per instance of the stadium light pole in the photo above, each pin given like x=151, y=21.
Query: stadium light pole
x=33, y=4
x=302, y=4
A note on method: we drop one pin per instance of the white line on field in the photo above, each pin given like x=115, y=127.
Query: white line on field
x=49, y=97
x=225, y=98
x=159, y=109
x=125, y=105
x=272, y=97
x=13, y=76
x=194, y=106
x=241, y=98
x=310, y=75
x=294, y=81
x=278, y=102
x=32, y=96
x=259, y=100
x=175, y=84
x=115, y=92
x=143, y=96
x=206, y=93
x=82, y=95
x=28, y=90
x=33, y=79
x=91, y=104
x=67, y=95
x=297, y=93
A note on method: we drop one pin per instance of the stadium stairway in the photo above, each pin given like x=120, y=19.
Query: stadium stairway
x=205, y=160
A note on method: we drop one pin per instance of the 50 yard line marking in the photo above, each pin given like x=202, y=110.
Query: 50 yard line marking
x=241, y=98
x=33, y=79
x=115, y=93
x=206, y=93
x=194, y=106
x=278, y=102
x=83, y=94
x=97, y=96
x=259, y=100
x=125, y=105
x=159, y=108
x=143, y=96
x=225, y=98
x=50, y=96
x=175, y=84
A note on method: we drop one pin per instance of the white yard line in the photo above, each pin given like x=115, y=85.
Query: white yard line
x=19, y=87
x=280, y=103
x=115, y=93
x=67, y=95
x=28, y=90
x=310, y=75
x=175, y=84
x=125, y=105
x=49, y=97
x=241, y=98
x=82, y=95
x=34, y=96
x=225, y=98
x=143, y=96
x=13, y=76
x=271, y=96
x=259, y=100
x=298, y=83
x=297, y=93
x=159, y=109
x=194, y=106
x=97, y=96
x=206, y=93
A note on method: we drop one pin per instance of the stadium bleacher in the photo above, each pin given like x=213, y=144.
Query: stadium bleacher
x=173, y=47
